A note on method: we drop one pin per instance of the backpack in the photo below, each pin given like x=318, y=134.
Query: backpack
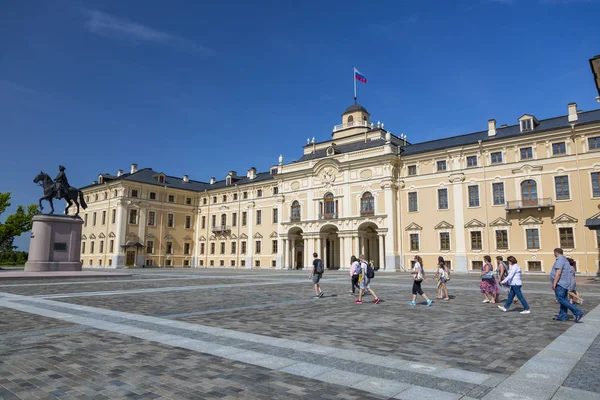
x=319, y=269
x=505, y=274
x=358, y=270
x=370, y=272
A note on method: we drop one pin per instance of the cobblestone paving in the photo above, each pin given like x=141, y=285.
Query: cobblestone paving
x=42, y=357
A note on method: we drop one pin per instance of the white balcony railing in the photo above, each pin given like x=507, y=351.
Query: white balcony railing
x=221, y=229
x=352, y=124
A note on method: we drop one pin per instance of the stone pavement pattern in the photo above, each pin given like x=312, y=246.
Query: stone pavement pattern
x=259, y=334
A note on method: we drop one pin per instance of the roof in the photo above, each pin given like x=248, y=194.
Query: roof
x=344, y=148
x=501, y=133
x=148, y=176
x=355, y=107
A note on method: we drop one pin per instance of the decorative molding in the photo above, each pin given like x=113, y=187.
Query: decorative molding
x=243, y=236
x=273, y=235
x=149, y=236
x=168, y=236
x=111, y=235
x=83, y=237
x=474, y=223
x=527, y=169
x=187, y=237
x=202, y=239
x=257, y=236
x=500, y=222
x=233, y=236
x=456, y=178
x=564, y=219
x=443, y=225
x=531, y=221
x=92, y=236
x=101, y=235
x=413, y=227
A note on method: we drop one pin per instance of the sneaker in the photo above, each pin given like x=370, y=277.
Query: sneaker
x=447, y=298
x=502, y=308
x=321, y=294
x=525, y=312
x=428, y=303
x=412, y=303
x=377, y=301
x=486, y=301
x=358, y=301
x=578, y=318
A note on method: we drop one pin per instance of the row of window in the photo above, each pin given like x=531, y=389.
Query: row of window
x=532, y=238
x=188, y=200
x=526, y=153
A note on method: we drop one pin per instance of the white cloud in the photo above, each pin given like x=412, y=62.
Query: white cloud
x=103, y=24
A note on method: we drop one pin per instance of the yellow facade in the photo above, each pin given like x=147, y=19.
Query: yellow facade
x=518, y=190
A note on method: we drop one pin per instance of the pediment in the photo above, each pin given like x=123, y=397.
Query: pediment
x=131, y=235
x=326, y=163
x=525, y=117
x=111, y=235
x=500, y=222
x=83, y=237
x=222, y=237
x=273, y=235
x=169, y=236
x=531, y=221
x=187, y=237
x=202, y=238
x=243, y=236
x=149, y=236
x=212, y=237
x=413, y=227
x=101, y=235
x=527, y=169
x=444, y=225
x=257, y=236
x=564, y=219
x=92, y=236
x=474, y=223
x=233, y=236
x=595, y=216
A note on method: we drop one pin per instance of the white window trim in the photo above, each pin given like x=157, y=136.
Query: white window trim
x=537, y=179
x=191, y=217
x=502, y=154
x=137, y=216
x=418, y=233
x=174, y=198
x=439, y=232
x=476, y=158
x=408, y=201
x=155, y=196
x=566, y=153
x=535, y=260
x=442, y=170
x=437, y=198
x=535, y=226
x=568, y=175
x=533, y=157
x=476, y=229
x=171, y=226
x=573, y=228
x=492, y=193
x=502, y=228
x=478, y=195
x=594, y=170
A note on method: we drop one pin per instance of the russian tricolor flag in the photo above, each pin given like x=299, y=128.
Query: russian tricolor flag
x=359, y=76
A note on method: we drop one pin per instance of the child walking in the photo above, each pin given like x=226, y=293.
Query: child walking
x=573, y=295
x=418, y=278
x=443, y=275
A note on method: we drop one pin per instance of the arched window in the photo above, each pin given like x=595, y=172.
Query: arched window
x=223, y=219
x=330, y=208
x=367, y=204
x=295, y=211
x=529, y=192
x=350, y=120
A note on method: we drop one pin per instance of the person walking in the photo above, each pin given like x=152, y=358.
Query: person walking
x=501, y=274
x=368, y=273
x=561, y=280
x=488, y=285
x=443, y=275
x=573, y=295
x=316, y=274
x=418, y=278
x=515, y=281
x=354, y=274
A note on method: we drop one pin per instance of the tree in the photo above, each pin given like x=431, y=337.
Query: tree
x=15, y=224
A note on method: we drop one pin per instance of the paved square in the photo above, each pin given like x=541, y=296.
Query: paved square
x=259, y=334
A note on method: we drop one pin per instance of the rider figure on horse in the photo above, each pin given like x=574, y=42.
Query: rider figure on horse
x=61, y=183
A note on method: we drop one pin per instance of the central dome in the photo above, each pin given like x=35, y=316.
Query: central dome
x=355, y=107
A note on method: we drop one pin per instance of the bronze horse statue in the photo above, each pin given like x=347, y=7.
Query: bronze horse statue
x=71, y=194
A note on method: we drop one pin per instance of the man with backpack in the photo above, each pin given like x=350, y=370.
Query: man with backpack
x=365, y=282
x=316, y=274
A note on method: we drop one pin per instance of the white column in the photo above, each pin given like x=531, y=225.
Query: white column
x=392, y=258
x=460, y=258
x=307, y=252
x=293, y=253
x=140, y=259
x=334, y=253
x=250, y=247
x=280, y=248
x=347, y=249
x=381, y=239
x=319, y=248
x=285, y=253
x=121, y=226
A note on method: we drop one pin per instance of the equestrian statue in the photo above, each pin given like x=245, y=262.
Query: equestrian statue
x=59, y=189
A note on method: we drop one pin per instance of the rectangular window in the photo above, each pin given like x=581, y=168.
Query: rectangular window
x=149, y=247
x=85, y=219
x=259, y=193
x=171, y=198
x=414, y=242
x=134, y=193
x=102, y=246
x=203, y=222
x=212, y=248
x=169, y=248
x=559, y=148
x=188, y=201
x=244, y=218
x=170, y=220
x=567, y=240
x=441, y=165
x=133, y=216
x=186, y=263
x=151, y=218
x=114, y=216
x=471, y=161
x=596, y=184
x=275, y=246
x=94, y=219
x=496, y=157
x=413, y=203
x=561, y=185
x=83, y=247
x=257, y=263
x=188, y=222
x=242, y=263
x=473, y=196
x=442, y=199
x=234, y=219
x=526, y=125
x=243, y=247
x=233, y=247
x=533, y=238
x=235, y=196
x=214, y=221
x=168, y=263
x=275, y=190
x=444, y=241
x=245, y=195
x=476, y=265
x=202, y=248
x=186, y=248
x=224, y=198
x=476, y=243
x=412, y=170
x=152, y=196
x=275, y=216
x=594, y=143
x=212, y=263
x=534, y=266
x=258, y=244
x=204, y=201
x=222, y=247
x=103, y=217
x=526, y=153
x=111, y=246
x=273, y=263
x=258, y=217
x=502, y=239
x=92, y=247
x=232, y=263
x=498, y=193
x=222, y=263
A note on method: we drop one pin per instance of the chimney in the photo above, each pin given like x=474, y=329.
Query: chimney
x=251, y=173
x=186, y=178
x=212, y=180
x=120, y=172
x=492, y=127
x=572, y=112
x=133, y=168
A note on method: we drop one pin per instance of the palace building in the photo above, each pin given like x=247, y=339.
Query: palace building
x=520, y=189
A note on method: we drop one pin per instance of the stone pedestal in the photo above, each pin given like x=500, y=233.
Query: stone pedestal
x=55, y=244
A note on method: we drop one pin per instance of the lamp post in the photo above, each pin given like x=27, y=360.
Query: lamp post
x=595, y=65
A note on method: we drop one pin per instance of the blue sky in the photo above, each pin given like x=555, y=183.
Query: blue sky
x=204, y=87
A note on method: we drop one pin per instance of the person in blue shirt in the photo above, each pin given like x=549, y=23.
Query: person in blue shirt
x=560, y=278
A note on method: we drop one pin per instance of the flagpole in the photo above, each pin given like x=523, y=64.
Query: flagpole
x=354, y=79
